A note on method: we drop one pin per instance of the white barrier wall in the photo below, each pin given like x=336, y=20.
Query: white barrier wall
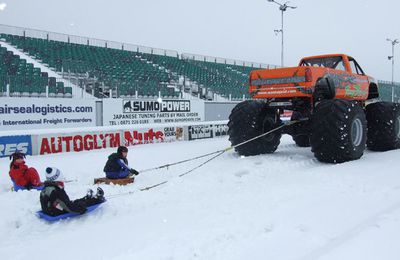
x=99, y=139
x=95, y=138
x=53, y=113
x=151, y=111
x=42, y=113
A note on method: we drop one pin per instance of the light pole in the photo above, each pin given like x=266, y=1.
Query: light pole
x=282, y=8
x=393, y=42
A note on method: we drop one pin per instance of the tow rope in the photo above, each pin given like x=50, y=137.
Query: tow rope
x=217, y=154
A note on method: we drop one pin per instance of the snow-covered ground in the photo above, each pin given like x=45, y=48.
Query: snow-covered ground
x=285, y=205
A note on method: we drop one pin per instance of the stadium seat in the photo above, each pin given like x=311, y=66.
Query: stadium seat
x=130, y=71
x=23, y=78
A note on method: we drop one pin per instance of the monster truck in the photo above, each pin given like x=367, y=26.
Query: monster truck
x=333, y=103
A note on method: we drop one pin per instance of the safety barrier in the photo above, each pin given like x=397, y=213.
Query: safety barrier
x=97, y=138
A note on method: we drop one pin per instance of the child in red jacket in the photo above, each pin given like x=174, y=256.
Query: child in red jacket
x=21, y=174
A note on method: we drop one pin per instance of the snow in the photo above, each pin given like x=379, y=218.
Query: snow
x=284, y=205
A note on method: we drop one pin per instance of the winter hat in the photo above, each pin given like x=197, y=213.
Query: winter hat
x=54, y=174
x=16, y=156
x=122, y=149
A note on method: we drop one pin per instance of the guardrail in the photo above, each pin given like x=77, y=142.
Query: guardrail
x=198, y=57
x=27, y=32
x=41, y=34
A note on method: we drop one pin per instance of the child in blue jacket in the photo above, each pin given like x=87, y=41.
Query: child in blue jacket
x=117, y=165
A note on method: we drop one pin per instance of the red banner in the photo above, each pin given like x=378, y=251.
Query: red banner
x=79, y=142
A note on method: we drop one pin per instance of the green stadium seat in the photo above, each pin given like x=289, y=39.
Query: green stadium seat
x=151, y=71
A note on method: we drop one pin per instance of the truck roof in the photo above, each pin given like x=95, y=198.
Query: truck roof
x=323, y=56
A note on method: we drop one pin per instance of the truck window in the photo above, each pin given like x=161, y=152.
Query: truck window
x=355, y=68
x=329, y=62
x=340, y=66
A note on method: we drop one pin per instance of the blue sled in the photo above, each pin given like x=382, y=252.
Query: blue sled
x=17, y=187
x=48, y=218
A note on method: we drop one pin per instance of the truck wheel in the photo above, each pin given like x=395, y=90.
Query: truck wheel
x=383, y=126
x=338, y=131
x=299, y=131
x=250, y=119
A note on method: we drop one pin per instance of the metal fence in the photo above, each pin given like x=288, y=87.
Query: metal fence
x=41, y=34
x=198, y=57
x=389, y=91
x=27, y=32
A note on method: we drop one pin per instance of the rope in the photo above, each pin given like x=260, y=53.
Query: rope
x=218, y=153
x=180, y=162
x=113, y=196
x=209, y=160
x=151, y=187
x=224, y=150
x=69, y=181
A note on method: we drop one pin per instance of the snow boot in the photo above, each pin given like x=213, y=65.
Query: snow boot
x=100, y=194
x=89, y=194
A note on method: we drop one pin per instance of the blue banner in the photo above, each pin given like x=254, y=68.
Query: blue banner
x=12, y=144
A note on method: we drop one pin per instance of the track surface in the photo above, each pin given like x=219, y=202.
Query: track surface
x=281, y=206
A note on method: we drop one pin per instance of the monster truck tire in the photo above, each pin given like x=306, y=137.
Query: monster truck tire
x=338, y=131
x=383, y=126
x=301, y=139
x=250, y=119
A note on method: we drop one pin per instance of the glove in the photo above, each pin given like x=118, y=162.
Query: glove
x=133, y=171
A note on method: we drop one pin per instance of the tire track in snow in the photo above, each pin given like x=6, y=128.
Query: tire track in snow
x=349, y=234
x=298, y=156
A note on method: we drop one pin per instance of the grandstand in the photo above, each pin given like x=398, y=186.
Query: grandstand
x=110, y=69
x=25, y=80
x=121, y=70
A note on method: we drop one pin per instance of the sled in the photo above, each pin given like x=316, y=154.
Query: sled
x=16, y=187
x=49, y=218
x=123, y=181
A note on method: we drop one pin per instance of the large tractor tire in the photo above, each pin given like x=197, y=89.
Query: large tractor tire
x=250, y=119
x=338, y=131
x=383, y=126
x=299, y=132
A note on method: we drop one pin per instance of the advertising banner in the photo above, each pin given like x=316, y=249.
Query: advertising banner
x=87, y=141
x=200, y=132
x=220, y=129
x=196, y=132
x=77, y=142
x=12, y=144
x=141, y=112
x=41, y=113
x=152, y=135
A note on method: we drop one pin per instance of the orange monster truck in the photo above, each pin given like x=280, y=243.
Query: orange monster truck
x=332, y=92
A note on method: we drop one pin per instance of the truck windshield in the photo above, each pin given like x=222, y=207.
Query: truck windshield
x=331, y=62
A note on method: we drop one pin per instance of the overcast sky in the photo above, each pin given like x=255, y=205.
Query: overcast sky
x=227, y=28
